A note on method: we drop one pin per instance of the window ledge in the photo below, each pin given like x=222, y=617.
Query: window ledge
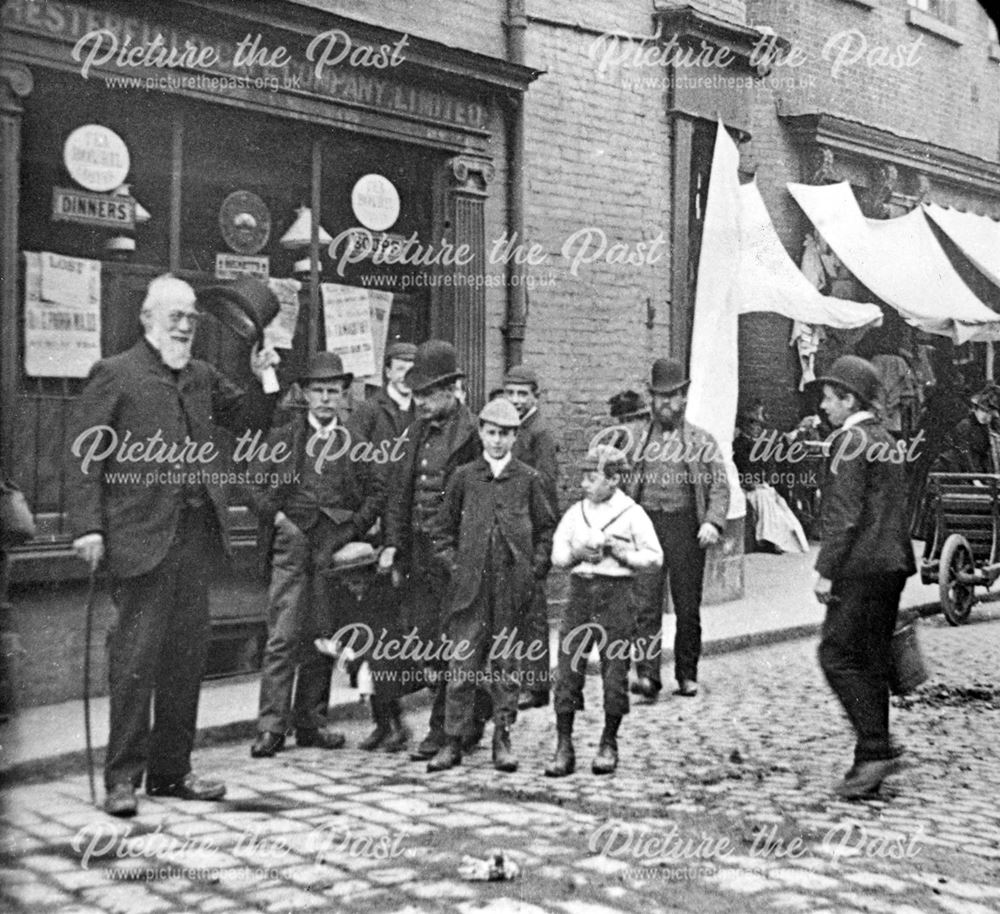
x=995, y=51
x=867, y=4
x=927, y=23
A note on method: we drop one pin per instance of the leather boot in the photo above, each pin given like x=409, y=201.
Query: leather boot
x=382, y=729
x=564, y=760
x=607, y=753
x=399, y=733
x=503, y=755
x=448, y=756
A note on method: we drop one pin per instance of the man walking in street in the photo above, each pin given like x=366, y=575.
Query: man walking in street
x=536, y=446
x=863, y=563
x=160, y=526
x=384, y=420
x=315, y=504
x=442, y=439
x=680, y=481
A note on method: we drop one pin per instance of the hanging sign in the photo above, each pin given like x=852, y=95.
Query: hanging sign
x=245, y=222
x=108, y=210
x=96, y=158
x=375, y=202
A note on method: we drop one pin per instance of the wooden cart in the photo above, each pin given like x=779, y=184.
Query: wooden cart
x=963, y=552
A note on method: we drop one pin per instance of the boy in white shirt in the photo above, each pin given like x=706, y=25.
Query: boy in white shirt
x=605, y=538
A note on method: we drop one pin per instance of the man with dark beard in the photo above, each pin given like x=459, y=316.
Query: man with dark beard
x=680, y=481
x=155, y=512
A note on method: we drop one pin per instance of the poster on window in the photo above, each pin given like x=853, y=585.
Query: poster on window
x=348, y=321
x=280, y=333
x=380, y=304
x=62, y=315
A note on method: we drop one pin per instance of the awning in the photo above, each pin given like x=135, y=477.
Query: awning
x=769, y=280
x=977, y=237
x=901, y=261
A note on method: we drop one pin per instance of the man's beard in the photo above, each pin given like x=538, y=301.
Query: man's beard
x=667, y=423
x=175, y=353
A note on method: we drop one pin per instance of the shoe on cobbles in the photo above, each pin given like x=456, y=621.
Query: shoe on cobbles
x=503, y=754
x=563, y=763
x=472, y=740
x=429, y=746
x=529, y=700
x=398, y=738
x=375, y=739
x=688, y=688
x=448, y=756
x=190, y=787
x=267, y=744
x=320, y=738
x=645, y=687
x=120, y=801
x=865, y=778
x=606, y=760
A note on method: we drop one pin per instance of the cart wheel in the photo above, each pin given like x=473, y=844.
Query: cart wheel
x=956, y=598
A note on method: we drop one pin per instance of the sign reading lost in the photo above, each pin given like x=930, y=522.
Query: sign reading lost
x=110, y=210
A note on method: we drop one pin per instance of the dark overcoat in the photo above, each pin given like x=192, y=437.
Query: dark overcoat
x=864, y=514
x=134, y=497
x=536, y=446
x=517, y=504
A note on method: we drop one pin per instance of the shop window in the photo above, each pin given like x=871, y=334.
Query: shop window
x=939, y=9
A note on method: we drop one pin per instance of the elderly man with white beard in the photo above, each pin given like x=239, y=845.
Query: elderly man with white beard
x=158, y=526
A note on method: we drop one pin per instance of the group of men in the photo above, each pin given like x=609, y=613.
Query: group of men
x=464, y=513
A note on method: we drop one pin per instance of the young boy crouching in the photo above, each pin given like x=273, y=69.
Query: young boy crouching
x=604, y=538
x=493, y=533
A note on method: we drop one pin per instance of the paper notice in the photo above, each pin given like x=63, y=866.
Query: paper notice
x=280, y=333
x=347, y=316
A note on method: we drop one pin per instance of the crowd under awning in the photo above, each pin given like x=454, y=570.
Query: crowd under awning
x=977, y=237
x=769, y=280
x=900, y=261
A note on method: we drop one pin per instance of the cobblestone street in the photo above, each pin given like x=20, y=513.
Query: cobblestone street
x=722, y=803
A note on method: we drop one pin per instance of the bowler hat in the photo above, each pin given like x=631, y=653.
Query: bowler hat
x=405, y=352
x=435, y=363
x=521, y=374
x=500, y=412
x=605, y=459
x=245, y=306
x=627, y=405
x=856, y=375
x=668, y=377
x=326, y=366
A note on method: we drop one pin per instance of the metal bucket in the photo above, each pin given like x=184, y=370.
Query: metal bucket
x=908, y=667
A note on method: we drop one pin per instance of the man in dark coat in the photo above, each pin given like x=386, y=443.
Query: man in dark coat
x=536, y=446
x=317, y=500
x=144, y=494
x=384, y=420
x=494, y=533
x=863, y=563
x=970, y=446
x=441, y=440
x=680, y=481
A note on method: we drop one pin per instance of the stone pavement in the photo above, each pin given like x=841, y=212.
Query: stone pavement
x=721, y=803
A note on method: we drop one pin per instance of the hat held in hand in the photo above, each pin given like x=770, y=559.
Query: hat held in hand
x=245, y=306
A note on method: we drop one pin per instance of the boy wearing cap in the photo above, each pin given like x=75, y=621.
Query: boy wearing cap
x=863, y=563
x=536, y=446
x=493, y=535
x=315, y=505
x=605, y=539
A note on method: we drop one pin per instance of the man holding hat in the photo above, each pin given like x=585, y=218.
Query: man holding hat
x=442, y=439
x=863, y=563
x=536, y=446
x=160, y=539
x=318, y=501
x=680, y=481
x=493, y=535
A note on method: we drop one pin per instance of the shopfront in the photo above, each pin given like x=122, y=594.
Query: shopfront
x=140, y=138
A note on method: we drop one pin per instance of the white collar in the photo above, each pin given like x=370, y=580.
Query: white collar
x=855, y=418
x=497, y=466
x=322, y=431
x=402, y=402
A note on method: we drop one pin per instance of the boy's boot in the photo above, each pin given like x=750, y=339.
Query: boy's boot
x=503, y=755
x=378, y=736
x=399, y=733
x=448, y=756
x=607, y=753
x=435, y=739
x=564, y=760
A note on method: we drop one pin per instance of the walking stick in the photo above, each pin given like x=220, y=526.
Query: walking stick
x=88, y=627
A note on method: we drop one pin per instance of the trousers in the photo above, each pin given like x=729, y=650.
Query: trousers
x=600, y=612
x=295, y=677
x=855, y=654
x=157, y=649
x=684, y=563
